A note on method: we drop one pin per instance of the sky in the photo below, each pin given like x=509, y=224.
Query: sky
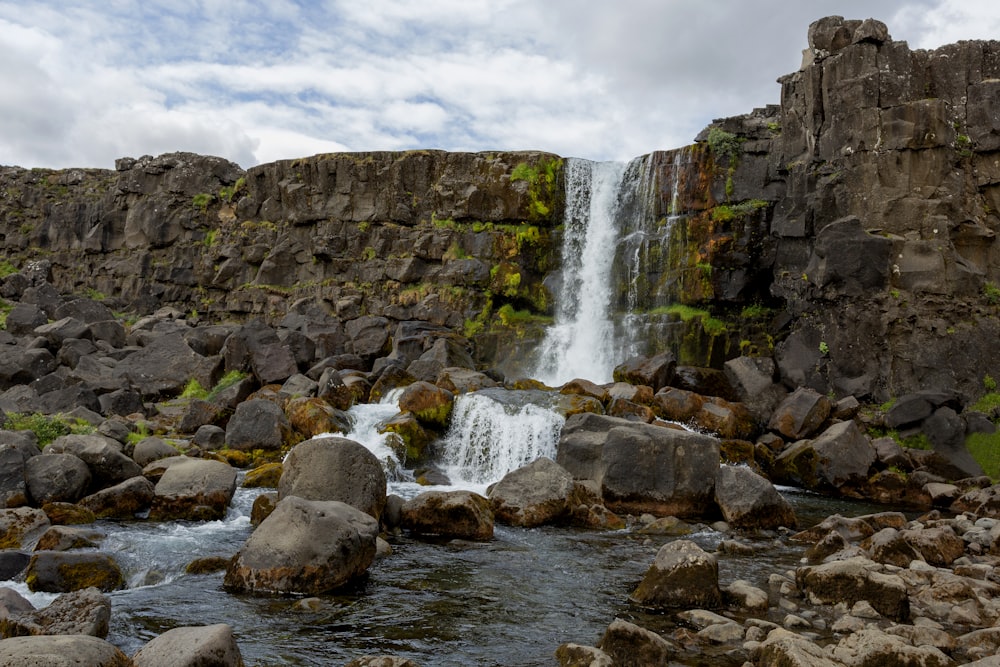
x=85, y=82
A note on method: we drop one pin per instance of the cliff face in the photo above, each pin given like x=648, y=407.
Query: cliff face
x=849, y=231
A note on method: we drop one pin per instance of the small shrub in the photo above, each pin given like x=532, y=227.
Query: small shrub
x=824, y=349
x=201, y=201
x=193, y=389
x=724, y=145
x=227, y=381
x=991, y=292
x=46, y=428
x=989, y=384
x=6, y=268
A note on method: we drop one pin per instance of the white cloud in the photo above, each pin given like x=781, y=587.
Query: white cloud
x=85, y=83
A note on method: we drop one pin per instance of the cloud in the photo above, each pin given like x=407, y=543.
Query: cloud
x=86, y=82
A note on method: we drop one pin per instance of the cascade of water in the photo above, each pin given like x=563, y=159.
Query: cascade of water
x=367, y=420
x=579, y=344
x=490, y=437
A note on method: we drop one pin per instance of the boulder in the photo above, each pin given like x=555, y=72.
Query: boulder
x=201, y=646
x=65, y=571
x=61, y=651
x=151, y=449
x=628, y=644
x=449, y=514
x=22, y=365
x=682, y=576
x=193, y=489
x=747, y=500
x=314, y=416
x=841, y=455
x=641, y=467
x=21, y=526
x=463, y=380
x=304, y=546
x=64, y=538
x=853, y=580
x=82, y=612
x=381, y=661
x=872, y=646
x=938, y=545
x=13, y=488
x=788, y=649
x=888, y=546
x=56, y=478
x=164, y=367
x=103, y=456
x=800, y=414
x=258, y=424
x=335, y=469
x=575, y=655
x=125, y=501
x=535, y=494
x=429, y=403
x=655, y=372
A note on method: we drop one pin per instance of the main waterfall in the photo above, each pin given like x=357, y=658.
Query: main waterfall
x=607, y=223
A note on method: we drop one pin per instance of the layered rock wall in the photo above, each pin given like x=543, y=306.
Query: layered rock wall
x=850, y=231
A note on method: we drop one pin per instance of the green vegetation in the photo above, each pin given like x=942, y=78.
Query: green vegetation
x=5, y=308
x=774, y=126
x=724, y=145
x=6, y=268
x=824, y=349
x=94, y=294
x=755, y=311
x=989, y=384
x=46, y=428
x=368, y=254
x=709, y=324
x=194, y=390
x=455, y=251
x=541, y=180
x=202, y=200
x=138, y=435
x=227, y=194
x=986, y=403
x=991, y=292
x=985, y=449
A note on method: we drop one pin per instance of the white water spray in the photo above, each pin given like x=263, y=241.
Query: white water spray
x=489, y=438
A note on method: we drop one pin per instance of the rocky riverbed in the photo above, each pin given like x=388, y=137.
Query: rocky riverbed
x=161, y=418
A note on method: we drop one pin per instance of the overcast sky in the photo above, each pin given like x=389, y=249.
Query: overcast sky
x=85, y=82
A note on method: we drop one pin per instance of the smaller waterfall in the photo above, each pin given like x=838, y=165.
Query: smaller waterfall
x=493, y=433
x=367, y=420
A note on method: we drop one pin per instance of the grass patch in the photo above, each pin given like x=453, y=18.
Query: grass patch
x=46, y=428
x=6, y=268
x=712, y=326
x=985, y=449
x=194, y=390
x=987, y=403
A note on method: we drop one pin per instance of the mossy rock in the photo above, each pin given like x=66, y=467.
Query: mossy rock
x=430, y=404
x=207, y=565
x=412, y=445
x=574, y=404
x=234, y=457
x=68, y=514
x=736, y=451
x=263, y=476
x=63, y=572
x=314, y=416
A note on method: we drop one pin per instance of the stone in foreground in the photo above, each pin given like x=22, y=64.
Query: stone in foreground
x=304, y=546
x=682, y=576
x=205, y=646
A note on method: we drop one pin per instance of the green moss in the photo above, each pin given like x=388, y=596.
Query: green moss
x=711, y=325
x=6, y=268
x=202, y=200
x=46, y=428
x=724, y=145
x=991, y=292
x=987, y=403
x=542, y=180
x=193, y=389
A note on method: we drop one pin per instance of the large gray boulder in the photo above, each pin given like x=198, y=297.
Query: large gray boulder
x=747, y=500
x=840, y=456
x=304, y=546
x=103, y=456
x=800, y=414
x=535, y=494
x=683, y=575
x=21, y=526
x=855, y=579
x=164, y=367
x=641, y=467
x=335, y=469
x=61, y=651
x=194, y=489
x=258, y=424
x=121, y=501
x=202, y=646
x=56, y=478
x=626, y=643
x=13, y=488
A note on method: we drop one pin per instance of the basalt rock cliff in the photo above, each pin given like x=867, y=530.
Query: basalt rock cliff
x=849, y=231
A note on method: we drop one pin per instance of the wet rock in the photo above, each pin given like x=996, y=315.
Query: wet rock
x=266, y=475
x=65, y=571
x=83, y=612
x=412, y=445
x=535, y=494
x=428, y=403
x=449, y=514
x=61, y=651
x=64, y=538
x=124, y=501
x=191, y=647
x=681, y=576
x=641, y=467
x=747, y=500
x=335, y=469
x=381, y=661
x=21, y=527
x=856, y=579
x=258, y=424
x=314, y=416
x=463, y=380
x=788, y=649
x=304, y=546
x=193, y=489
x=629, y=644
x=871, y=646
x=575, y=655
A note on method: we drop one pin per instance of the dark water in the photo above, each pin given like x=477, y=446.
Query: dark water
x=510, y=601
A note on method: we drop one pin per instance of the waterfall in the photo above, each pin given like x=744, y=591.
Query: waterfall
x=496, y=431
x=610, y=242
x=579, y=343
